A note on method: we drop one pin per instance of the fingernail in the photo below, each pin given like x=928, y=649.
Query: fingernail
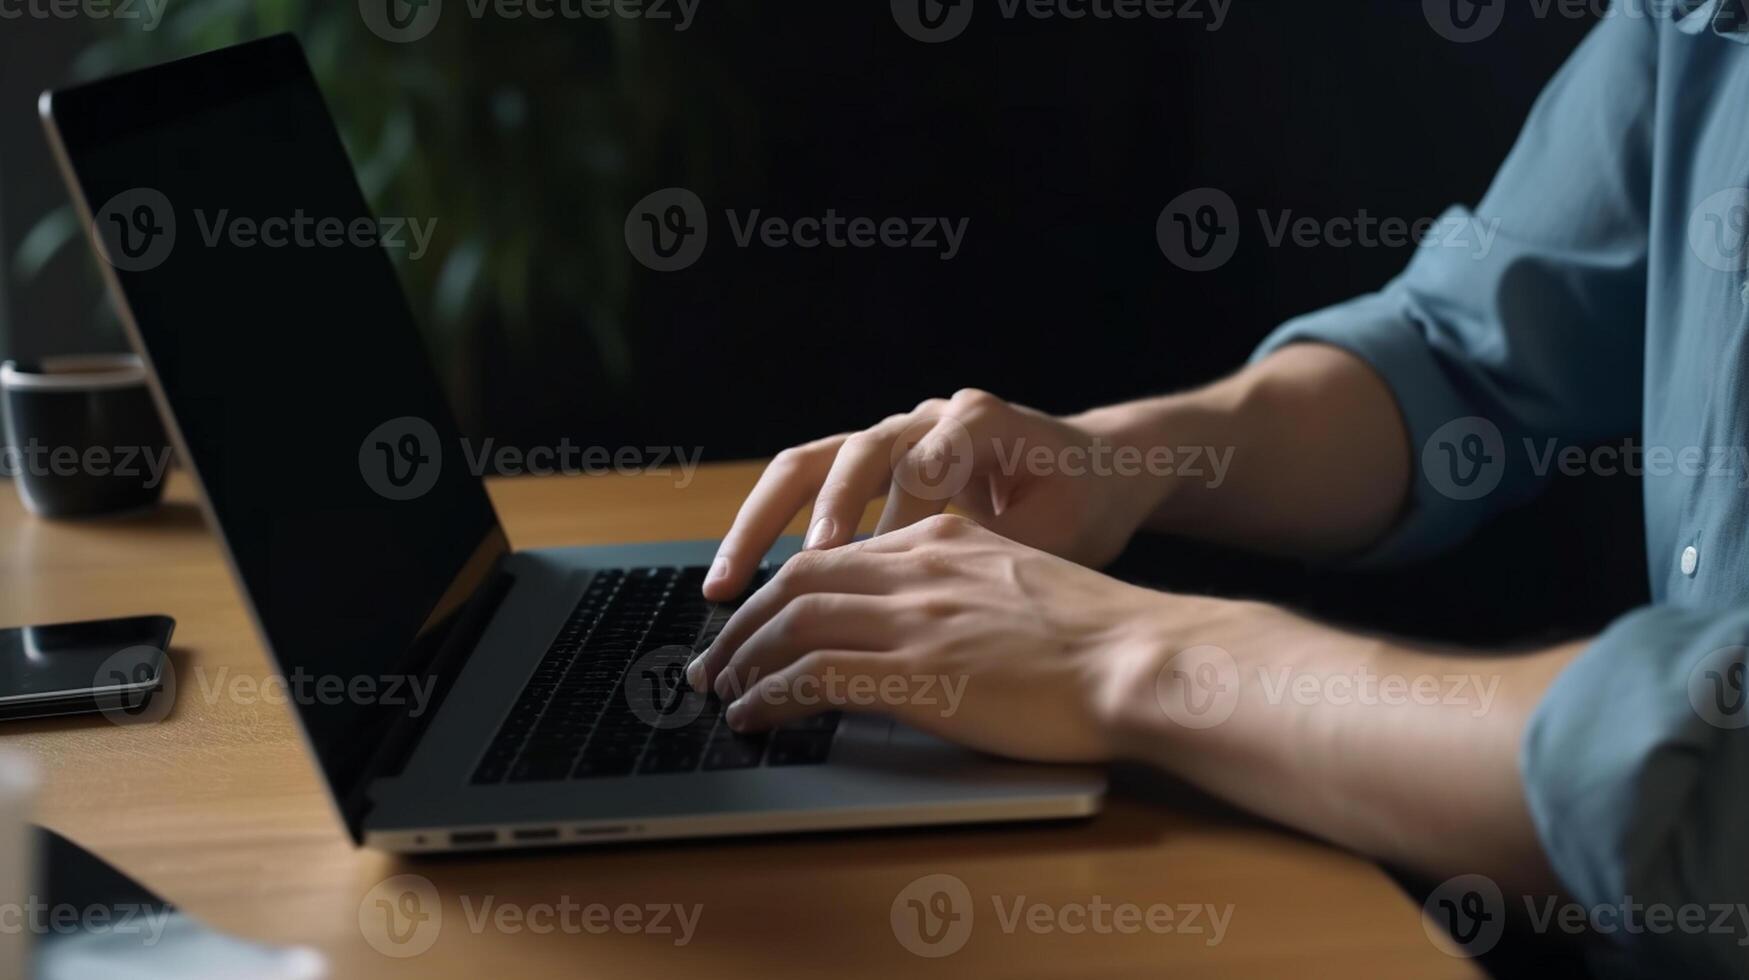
x=719, y=569
x=695, y=673
x=821, y=532
x=736, y=716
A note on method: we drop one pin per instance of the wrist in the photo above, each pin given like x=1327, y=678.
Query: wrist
x=1186, y=443
x=1174, y=673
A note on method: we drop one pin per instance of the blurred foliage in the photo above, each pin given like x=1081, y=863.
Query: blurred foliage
x=522, y=137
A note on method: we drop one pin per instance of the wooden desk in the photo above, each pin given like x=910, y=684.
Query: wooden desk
x=218, y=808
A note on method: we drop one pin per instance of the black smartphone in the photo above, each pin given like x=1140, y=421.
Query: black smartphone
x=75, y=668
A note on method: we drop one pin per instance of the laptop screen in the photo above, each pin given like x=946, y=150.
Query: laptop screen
x=303, y=395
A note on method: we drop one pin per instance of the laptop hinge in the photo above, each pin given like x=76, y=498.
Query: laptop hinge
x=403, y=733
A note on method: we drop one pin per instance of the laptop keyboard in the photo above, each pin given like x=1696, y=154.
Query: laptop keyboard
x=610, y=697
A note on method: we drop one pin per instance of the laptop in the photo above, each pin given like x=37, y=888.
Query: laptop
x=455, y=693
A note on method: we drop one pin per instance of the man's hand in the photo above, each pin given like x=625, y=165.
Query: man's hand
x=952, y=629
x=974, y=451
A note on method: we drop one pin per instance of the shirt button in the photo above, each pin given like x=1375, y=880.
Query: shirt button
x=1690, y=560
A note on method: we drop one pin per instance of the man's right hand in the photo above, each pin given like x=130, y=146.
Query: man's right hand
x=1003, y=465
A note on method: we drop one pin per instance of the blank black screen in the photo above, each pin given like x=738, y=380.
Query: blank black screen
x=277, y=363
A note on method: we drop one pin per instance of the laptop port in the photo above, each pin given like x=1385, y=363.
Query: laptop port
x=465, y=838
x=607, y=831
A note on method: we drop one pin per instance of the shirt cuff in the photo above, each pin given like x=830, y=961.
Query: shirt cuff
x=1633, y=771
x=1441, y=511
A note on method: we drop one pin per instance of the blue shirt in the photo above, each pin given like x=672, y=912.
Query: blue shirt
x=1610, y=304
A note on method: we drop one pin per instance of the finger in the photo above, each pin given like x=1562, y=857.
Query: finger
x=928, y=475
x=842, y=570
x=860, y=473
x=815, y=683
x=949, y=460
x=934, y=528
x=791, y=478
x=817, y=621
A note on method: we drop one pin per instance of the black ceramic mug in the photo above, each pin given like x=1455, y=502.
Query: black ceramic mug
x=82, y=435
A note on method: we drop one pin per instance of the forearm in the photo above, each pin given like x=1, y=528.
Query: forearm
x=1407, y=754
x=1319, y=462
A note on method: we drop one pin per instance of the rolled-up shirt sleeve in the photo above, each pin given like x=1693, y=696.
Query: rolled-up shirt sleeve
x=1523, y=318
x=1635, y=767
x=1635, y=764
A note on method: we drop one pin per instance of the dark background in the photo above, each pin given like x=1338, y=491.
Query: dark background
x=1061, y=142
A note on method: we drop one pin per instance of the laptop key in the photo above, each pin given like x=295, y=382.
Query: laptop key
x=800, y=748
x=734, y=753
x=826, y=722
x=676, y=760
x=606, y=765
x=574, y=716
x=540, y=768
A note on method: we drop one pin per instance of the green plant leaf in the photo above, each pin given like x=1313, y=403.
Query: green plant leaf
x=458, y=282
x=44, y=241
